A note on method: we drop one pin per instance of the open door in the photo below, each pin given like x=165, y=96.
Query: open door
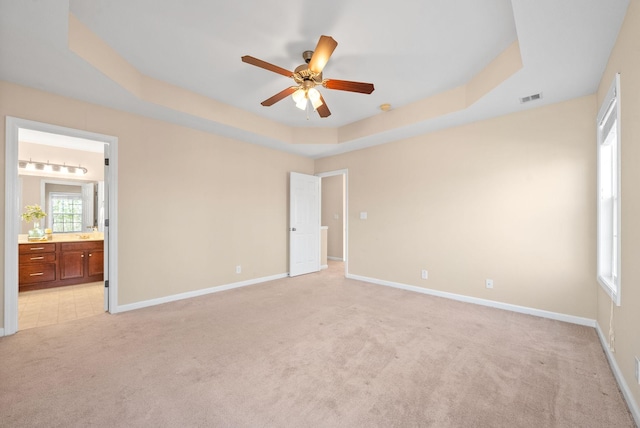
x=304, y=224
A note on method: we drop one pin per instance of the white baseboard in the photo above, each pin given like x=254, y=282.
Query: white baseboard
x=324, y=267
x=491, y=303
x=196, y=293
x=624, y=387
x=1, y=332
x=337, y=259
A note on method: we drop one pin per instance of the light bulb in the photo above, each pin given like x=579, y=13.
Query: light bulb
x=30, y=166
x=79, y=171
x=48, y=168
x=64, y=169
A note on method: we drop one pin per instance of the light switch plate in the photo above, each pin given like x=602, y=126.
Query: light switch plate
x=363, y=215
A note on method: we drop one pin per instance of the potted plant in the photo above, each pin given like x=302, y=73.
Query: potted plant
x=33, y=213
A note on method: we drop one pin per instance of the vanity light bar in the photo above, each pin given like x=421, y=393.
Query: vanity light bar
x=51, y=167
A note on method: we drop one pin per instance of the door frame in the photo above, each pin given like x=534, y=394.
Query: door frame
x=11, y=222
x=344, y=172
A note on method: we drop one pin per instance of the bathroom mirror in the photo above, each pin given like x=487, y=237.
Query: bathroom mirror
x=72, y=206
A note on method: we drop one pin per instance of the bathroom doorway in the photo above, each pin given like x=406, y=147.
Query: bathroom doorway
x=334, y=215
x=91, y=297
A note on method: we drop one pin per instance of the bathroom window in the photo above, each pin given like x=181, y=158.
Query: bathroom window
x=608, y=123
x=66, y=212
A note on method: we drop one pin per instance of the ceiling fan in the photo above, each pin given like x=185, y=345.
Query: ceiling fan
x=309, y=75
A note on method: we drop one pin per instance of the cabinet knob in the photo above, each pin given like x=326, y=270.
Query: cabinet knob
x=82, y=256
x=90, y=254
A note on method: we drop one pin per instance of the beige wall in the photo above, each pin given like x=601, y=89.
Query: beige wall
x=332, y=206
x=625, y=59
x=511, y=199
x=192, y=205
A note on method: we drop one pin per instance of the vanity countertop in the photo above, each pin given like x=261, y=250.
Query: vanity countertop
x=65, y=237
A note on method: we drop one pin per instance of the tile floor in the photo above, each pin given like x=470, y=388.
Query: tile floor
x=45, y=307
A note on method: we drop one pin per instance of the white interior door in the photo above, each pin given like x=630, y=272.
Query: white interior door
x=304, y=224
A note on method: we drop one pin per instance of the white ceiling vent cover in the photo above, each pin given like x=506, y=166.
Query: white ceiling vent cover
x=531, y=98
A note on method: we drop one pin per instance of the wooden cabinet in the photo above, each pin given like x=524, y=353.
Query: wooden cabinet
x=96, y=262
x=45, y=265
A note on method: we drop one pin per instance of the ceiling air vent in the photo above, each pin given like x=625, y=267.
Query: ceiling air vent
x=530, y=98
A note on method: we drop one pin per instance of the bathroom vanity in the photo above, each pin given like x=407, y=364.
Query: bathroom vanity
x=67, y=260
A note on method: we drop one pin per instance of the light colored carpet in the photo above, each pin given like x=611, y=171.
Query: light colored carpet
x=312, y=351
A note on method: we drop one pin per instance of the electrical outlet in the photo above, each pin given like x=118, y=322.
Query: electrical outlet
x=238, y=269
x=425, y=274
x=488, y=283
x=638, y=370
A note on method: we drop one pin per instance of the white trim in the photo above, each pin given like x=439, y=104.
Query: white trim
x=624, y=387
x=344, y=172
x=337, y=259
x=197, y=293
x=11, y=222
x=324, y=267
x=1, y=332
x=613, y=95
x=483, y=302
x=11, y=227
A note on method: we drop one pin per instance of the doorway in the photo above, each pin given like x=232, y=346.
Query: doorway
x=334, y=214
x=104, y=143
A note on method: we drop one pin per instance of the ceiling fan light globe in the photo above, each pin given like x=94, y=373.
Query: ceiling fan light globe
x=302, y=104
x=313, y=94
x=298, y=95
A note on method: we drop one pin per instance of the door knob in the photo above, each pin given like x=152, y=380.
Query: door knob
x=293, y=229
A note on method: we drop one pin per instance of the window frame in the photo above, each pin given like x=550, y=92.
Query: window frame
x=609, y=258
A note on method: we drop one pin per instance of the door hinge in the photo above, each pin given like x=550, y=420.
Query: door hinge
x=106, y=284
x=106, y=222
x=106, y=161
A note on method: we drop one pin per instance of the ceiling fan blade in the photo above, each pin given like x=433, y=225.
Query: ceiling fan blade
x=346, y=85
x=267, y=66
x=279, y=96
x=325, y=47
x=323, y=110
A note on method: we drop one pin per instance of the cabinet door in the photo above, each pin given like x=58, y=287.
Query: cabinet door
x=96, y=262
x=71, y=264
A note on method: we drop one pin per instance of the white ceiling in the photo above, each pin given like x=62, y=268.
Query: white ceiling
x=409, y=49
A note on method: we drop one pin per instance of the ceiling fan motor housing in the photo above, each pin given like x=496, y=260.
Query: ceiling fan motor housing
x=305, y=77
